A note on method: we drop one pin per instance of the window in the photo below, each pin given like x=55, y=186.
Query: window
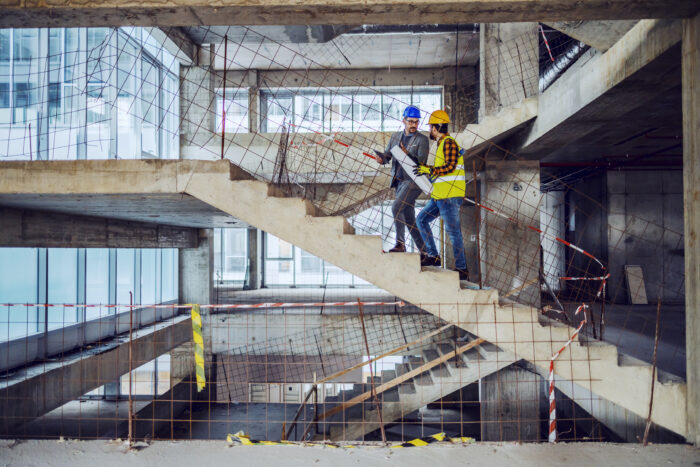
x=231, y=255
x=97, y=282
x=62, y=286
x=18, y=284
x=288, y=265
x=236, y=108
x=345, y=109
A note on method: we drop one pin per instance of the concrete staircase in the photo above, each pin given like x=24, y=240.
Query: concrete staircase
x=515, y=328
x=404, y=398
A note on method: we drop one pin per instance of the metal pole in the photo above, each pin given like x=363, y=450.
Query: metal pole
x=223, y=101
x=131, y=365
x=477, y=222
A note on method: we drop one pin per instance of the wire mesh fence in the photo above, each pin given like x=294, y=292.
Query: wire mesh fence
x=296, y=116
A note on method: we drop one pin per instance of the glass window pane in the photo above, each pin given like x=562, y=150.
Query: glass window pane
x=125, y=276
x=18, y=284
x=150, y=108
x=26, y=74
x=308, y=112
x=128, y=138
x=234, y=254
x=339, y=112
x=169, y=274
x=278, y=109
x=99, y=54
x=427, y=102
x=148, y=276
x=5, y=76
x=236, y=108
x=276, y=248
x=393, y=107
x=97, y=282
x=62, y=286
x=368, y=116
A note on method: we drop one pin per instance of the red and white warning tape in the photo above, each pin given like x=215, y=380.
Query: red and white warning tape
x=552, y=401
x=546, y=42
x=539, y=231
x=215, y=305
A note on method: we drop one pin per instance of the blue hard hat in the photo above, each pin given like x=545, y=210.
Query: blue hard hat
x=411, y=112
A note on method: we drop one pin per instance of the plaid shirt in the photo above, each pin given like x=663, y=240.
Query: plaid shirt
x=451, y=156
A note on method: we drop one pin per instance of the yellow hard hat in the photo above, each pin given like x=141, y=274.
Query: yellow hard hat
x=438, y=118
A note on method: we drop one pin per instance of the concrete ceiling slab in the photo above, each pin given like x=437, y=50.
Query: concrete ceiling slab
x=79, y=13
x=352, y=51
x=168, y=209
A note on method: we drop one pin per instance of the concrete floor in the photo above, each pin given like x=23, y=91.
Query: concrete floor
x=85, y=419
x=188, y=453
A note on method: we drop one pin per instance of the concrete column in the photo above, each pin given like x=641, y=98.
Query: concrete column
x=510, y=405
x=196, y=276
x=253, y=259
x=691, y=201
x=253, y=102
x=510, y=253
x=509, y=65
x=196, y=270
x=197, y=112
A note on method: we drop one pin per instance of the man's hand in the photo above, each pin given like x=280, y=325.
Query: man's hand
x=381, y=158
x=421, y=170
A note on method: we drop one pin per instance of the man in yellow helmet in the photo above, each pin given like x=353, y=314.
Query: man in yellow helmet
x=449, y=185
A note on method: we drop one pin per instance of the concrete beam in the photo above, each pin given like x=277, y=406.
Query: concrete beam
x=574, y=93
x=691, y=203
x=600, y=35
x=30, y=228
x=301, y=78
x=176, y=42
x=73, y=13
x=41, y=388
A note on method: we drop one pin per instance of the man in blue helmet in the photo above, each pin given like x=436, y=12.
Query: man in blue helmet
x=416, y=145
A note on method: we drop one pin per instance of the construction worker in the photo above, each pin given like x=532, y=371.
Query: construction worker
x=416, y=145
x=447, y=176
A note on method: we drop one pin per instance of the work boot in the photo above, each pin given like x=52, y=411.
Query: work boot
x=463, y=274
x=398, y=248
x=431, y=261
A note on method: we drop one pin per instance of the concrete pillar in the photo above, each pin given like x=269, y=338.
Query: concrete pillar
x=510, y=405
x=196, y=276
x=253, y=102
x=253, y=259
x=196, y=270
x=197, y=112
x=510, y=252
x=691, y=201
x=509, y=65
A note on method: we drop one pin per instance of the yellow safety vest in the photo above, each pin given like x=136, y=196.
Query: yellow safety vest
x=452, y=185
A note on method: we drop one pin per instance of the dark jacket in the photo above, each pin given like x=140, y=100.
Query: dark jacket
x=418, y=148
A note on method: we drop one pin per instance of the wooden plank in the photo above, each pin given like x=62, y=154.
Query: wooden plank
x=359, y=365
x=401, y=379
x=391, y=352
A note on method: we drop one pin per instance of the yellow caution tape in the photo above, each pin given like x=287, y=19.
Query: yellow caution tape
x=246, y=440
x=198, y=347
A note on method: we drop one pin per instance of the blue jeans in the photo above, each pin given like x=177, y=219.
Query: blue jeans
x=449, y=210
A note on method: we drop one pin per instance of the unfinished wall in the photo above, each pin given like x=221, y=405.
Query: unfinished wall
x=640, y=223
x=509, y=65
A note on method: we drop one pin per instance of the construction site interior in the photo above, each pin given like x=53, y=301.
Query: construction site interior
x=195, y=225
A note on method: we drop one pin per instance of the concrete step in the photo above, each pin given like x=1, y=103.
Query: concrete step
x=388, y=375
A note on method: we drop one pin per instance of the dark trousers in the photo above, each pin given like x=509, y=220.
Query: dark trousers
x=404, y=210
